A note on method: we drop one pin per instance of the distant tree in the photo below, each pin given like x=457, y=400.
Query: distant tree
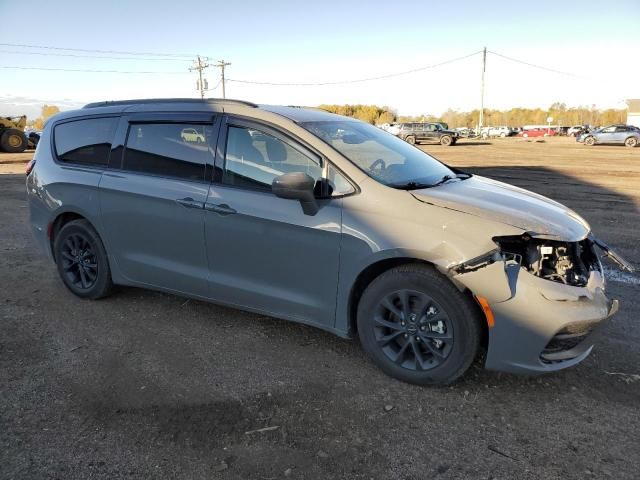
x=46, y=112
x=367, y=113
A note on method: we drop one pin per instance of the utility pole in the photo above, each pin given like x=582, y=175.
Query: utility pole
x=484, y=67
x=199, y=64
x=221, y=64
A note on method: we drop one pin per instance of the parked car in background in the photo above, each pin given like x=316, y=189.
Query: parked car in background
x=319, y=219
x=192, y=135
x=538, y=132
x=427, y=132
x=393, y=129
x=501, y=131
x=464, y=132
x=576, y=130
x=613, y=134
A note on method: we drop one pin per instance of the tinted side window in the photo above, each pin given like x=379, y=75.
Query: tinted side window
x=253, y=159
x=168, y=149
x=85, y=141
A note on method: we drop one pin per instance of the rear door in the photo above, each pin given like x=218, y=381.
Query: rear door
x=621, y=134
x=152, y=200
x=264, y=252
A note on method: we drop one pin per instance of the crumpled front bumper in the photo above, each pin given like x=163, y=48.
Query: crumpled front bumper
x=539, y=325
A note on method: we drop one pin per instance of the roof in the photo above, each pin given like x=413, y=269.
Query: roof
x=296, y=114
x=151, y=101
x=302, y=114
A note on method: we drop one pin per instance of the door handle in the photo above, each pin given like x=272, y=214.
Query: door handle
x=222, y=209
x=189, y=202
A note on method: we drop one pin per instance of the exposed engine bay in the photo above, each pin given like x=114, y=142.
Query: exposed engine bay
x=569, y=263
x=566, y=262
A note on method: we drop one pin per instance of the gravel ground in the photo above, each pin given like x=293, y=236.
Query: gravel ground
x=148, y=385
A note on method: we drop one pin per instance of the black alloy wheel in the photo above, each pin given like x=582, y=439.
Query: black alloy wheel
x=413, y=331
x=417, y=326
x=79, y=261
x=82, y=260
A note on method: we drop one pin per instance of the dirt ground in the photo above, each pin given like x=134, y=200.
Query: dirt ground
x=148, y=385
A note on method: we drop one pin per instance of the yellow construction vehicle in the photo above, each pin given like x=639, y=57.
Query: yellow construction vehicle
x=12, y=136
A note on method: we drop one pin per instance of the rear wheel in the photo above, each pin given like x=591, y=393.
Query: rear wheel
x=445, y=140
x=503, y=135
x=411, y=140
x=13, y=141
x=631, y=142
x=82, y=260
x=417, y=326
x=590, y=141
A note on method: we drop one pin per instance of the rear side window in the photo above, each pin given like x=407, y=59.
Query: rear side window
x=176, y=150
x=85, y=142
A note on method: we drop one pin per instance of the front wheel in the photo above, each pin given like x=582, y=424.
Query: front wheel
x=411, y=140
x=418, y=327
x=590, y=141
x=82, y=260
x=631, y=142
x=445, y=140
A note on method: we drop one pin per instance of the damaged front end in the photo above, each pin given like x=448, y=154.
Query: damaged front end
x=546, y=296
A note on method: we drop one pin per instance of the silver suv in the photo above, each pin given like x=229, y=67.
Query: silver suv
x=321, y=219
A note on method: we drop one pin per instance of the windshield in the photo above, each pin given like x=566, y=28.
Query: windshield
x=380, y=155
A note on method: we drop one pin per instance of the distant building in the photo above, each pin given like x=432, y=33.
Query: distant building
x=633, y=115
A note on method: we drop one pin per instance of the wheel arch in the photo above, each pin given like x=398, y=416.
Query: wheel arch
x=374, y=270
x=60, y=221
x=377, y=268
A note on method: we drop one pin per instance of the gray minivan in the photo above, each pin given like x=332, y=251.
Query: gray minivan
x=317, y=218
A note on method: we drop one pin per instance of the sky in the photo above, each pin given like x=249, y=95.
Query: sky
x=594, y=42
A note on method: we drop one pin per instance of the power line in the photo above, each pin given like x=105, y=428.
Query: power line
x=88, y=70
x=343, y=82
x=49, y=54
x=121, y=52
x=560, y=72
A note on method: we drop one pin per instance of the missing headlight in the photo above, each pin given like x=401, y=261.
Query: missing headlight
x=564, y=262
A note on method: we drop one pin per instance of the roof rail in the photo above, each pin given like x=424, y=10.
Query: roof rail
x=146, y=101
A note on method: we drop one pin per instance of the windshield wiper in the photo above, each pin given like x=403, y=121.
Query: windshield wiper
x=417, y=185
x=411, y=185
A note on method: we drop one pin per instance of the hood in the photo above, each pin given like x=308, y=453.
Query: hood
x=504, y=203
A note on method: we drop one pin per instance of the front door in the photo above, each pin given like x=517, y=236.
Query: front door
x=607, y=135
x=152, y=203
x=264, y=252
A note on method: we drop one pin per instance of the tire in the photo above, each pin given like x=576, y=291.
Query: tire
x=13, y=141
x=445, y=140
x=78, y=241
x=457, y=317
x=631, y=142
x=590, y=141
x=503, y=135
x=411, y=140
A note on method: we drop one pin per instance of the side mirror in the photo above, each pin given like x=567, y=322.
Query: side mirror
x=296, y=186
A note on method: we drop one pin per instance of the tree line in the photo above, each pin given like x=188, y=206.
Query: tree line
x=515, y=117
